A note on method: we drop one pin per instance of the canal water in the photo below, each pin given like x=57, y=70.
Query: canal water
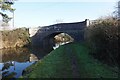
x=15, y=60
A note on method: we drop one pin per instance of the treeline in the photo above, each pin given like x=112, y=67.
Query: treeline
x=103, y=38
x=14, y=38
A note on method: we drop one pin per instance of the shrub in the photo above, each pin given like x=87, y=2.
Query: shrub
x=15, y=38
x=103, y=40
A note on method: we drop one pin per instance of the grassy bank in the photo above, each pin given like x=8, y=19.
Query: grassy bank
x=68, y=61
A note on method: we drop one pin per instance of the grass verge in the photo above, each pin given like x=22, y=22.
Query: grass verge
x=57, y=64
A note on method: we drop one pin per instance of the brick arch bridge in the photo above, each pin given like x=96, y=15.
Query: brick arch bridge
x=44, y=35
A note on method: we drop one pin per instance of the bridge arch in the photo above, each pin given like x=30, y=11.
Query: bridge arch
x=50, y=39
x=44, y=34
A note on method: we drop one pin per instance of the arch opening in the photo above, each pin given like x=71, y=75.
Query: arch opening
x=61, y=39
x=54, y=40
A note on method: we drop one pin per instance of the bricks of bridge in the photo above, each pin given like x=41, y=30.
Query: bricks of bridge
x=75, y=30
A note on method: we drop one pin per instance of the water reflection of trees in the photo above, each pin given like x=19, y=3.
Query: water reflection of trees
x=7, y=65
x=11, y=75
x=9, y=57
x=5, y=69
x=19, y=55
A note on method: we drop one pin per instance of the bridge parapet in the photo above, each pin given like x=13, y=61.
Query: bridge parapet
x=75, y=30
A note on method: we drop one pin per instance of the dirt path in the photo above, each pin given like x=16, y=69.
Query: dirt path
x=74, y=63
x=70, y=61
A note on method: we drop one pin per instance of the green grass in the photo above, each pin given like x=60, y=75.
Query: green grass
x=89, y=67
x=57, y=64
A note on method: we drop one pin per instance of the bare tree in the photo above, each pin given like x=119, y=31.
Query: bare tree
x=6, y=5
x=118, y=9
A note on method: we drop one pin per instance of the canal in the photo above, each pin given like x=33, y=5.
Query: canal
x=14, y=61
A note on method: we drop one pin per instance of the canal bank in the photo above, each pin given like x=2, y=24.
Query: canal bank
x=66, y=62
x=15, y=60
x=17, y=53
